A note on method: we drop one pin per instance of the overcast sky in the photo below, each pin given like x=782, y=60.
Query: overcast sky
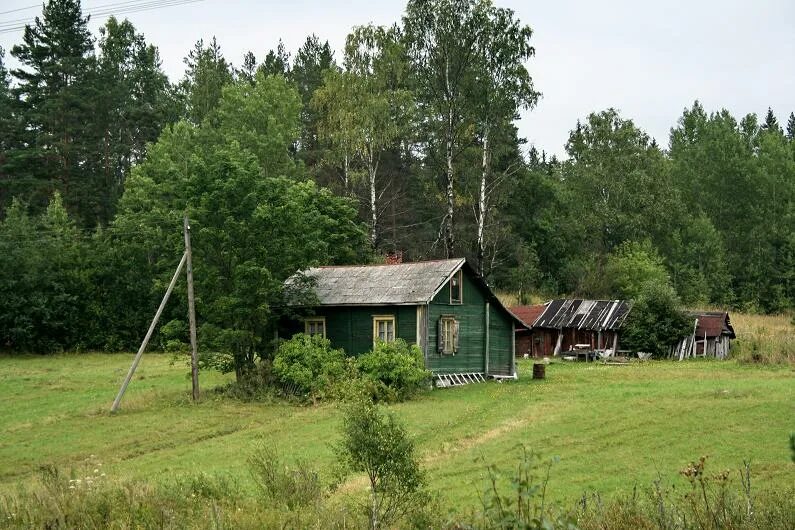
x=648, y=59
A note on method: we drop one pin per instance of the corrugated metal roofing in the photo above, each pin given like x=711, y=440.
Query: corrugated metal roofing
x=713, y=323
x=404, y=283
x=583, y=314
x=528, y=313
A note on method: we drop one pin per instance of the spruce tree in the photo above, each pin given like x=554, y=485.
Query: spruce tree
x=56, y=58
x=771, y=123
x=8, y=134
x=206, y=74
x=791, y=126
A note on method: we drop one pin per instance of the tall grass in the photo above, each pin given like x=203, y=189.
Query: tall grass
x=766, y=339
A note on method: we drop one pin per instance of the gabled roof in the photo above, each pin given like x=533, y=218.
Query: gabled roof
x=593, y=315
x=528, y=313
x=399, y=284
x=713, y=324
x=394, y=284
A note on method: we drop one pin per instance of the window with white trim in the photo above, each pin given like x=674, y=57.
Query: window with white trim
x=447, y=335
x=384, y=328
x=456, y=288
x=315, y=326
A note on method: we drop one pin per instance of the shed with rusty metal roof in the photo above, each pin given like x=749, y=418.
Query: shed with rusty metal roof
x=567, y=324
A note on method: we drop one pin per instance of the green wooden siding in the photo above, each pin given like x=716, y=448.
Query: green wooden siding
x=351, y=328
x=471, y=315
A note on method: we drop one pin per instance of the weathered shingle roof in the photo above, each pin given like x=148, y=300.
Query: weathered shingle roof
x=583, y=314
x=404, y=283
x=713, y=324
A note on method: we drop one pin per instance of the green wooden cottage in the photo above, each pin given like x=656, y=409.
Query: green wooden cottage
x=463, y=330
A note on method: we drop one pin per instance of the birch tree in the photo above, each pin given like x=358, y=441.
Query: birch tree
x=365, y=108
x=442, y=37
x=502, y=87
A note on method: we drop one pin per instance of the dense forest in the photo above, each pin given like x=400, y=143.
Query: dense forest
x=405, y=143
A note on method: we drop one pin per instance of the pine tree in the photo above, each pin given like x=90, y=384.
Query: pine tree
x=791, y=126
x=249, y=68
x=133, y=103
x=277, y=62
x=311, y=60
x=56, y=58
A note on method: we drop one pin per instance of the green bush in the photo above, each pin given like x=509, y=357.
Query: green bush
x=292, y=487
x=308, y=366
x=655, y=322
x=393, y=371
x=376, y=444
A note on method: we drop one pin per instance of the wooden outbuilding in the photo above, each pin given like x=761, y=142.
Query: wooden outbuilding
x=442, y=306
x=566, y=325
x=529, y=339
x=712, y=336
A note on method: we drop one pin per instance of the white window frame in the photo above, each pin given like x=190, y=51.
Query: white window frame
x=314, y=320
x=449, y=331
x=458, y=275
x=384, y=318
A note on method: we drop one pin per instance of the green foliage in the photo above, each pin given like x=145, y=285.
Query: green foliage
x=308, y=365
x=263, y=118
x=394, y=370
x=43, y=286
x=377, y=445
x=279, y=484
x=707, y=502
x=518, y=499
x=632, y=266
x=792, y=446
x=655, y=322
x=206, y=75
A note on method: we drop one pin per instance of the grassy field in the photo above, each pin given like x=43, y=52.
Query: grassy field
x=612, y=426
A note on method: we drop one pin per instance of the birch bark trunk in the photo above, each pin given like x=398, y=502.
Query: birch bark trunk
x=482, y=202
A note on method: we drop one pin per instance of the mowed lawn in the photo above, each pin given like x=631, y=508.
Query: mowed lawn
x=612, y=426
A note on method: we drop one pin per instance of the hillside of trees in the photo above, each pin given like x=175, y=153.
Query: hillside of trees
x=406, y=142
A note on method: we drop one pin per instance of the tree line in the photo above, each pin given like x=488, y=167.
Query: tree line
x=405, y=142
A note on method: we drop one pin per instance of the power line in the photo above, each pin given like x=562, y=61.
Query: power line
x=113, y=5
x=20, y=9
x=117, y=8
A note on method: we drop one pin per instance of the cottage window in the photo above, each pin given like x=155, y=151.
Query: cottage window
x=456, y=288
x=315, y=326
x=447, y=336
x=384, y=328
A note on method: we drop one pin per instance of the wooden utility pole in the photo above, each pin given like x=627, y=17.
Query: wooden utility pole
x=148, y=336
x=194, y=364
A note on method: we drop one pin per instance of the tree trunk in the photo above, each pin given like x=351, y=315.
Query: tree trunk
x=482, y=203
x=449, y=238
x=373, y=508
x=345, y=174
x=371, y=170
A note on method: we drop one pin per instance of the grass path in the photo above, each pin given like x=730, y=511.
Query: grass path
x=612, y=426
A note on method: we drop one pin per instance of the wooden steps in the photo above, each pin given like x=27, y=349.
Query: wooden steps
x=450, y=380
